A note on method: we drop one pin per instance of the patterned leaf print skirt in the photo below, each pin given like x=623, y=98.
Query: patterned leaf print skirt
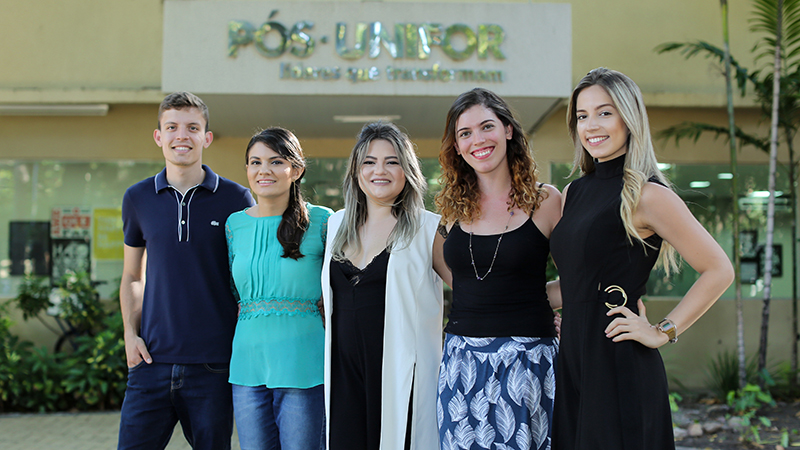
x=496, y=393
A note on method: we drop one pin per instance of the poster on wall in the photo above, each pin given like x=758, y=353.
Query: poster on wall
x=29, y=247
x=70, y=241
x=70, y=222
x=70, y=255
x=108, y=239
x=777, y=260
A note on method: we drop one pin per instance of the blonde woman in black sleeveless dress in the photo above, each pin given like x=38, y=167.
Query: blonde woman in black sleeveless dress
x=617, y=218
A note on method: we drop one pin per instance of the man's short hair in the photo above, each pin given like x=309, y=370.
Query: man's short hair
x=182, y=100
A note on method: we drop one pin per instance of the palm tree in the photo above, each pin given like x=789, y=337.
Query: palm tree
x=737, y=258
x=768, y=16
x=765, y=20
x=781, y=22
x=689, y=50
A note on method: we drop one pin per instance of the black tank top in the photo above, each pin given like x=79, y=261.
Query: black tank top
x=511, y=300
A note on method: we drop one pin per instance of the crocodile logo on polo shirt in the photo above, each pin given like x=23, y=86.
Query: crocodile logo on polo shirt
x=214, y=223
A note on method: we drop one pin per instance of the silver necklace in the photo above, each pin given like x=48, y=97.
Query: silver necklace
x=499, y=239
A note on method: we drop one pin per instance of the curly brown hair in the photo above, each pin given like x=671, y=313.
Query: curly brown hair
x=459, y=199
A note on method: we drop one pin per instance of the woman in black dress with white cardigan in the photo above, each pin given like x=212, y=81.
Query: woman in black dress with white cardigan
x=383, y=301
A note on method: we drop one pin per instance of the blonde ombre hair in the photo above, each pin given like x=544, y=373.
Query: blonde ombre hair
x=640, y=161
x=407, y=205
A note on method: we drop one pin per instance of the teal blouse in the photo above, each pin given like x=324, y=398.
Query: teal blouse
x=279, y=340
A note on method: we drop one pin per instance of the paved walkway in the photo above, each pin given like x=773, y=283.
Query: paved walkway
x=76, y=431
x=71, y=431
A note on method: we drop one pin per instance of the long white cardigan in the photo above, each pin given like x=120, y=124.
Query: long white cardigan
x=412, y=341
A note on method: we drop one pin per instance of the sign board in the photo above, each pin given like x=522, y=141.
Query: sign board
x=70, y=222
x=366, y=48
x=108, y=240
x=70, y=255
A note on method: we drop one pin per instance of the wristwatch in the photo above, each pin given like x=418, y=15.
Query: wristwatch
x=667, y=327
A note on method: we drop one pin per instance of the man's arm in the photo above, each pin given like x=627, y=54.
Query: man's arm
x=131, y=292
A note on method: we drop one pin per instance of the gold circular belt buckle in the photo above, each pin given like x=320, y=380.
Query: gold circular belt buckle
x=615, y=288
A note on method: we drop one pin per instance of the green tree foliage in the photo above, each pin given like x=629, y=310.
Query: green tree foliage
x=765, y=20
x=96, y=371
x=91, y=377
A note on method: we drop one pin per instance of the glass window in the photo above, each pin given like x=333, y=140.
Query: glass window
x=706, y=190
x=322, y=184
x=30, y=192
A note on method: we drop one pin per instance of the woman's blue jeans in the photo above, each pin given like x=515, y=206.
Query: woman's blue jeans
x=281, y=418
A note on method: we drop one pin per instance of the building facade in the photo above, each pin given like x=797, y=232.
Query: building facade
x=81, y=81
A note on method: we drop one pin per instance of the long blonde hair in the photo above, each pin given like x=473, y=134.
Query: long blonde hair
x=459, y=199
x=407, y=205
x=640, y=161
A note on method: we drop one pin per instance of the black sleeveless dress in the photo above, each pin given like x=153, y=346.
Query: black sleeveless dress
x=609, y=396
x=357, y=352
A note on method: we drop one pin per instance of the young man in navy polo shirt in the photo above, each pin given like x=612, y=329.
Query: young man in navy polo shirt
x=179, y=323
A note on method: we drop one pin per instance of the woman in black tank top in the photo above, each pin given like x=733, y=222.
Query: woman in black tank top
x=496, y=380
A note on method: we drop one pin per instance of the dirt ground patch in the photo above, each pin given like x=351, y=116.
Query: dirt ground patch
x=722, y=431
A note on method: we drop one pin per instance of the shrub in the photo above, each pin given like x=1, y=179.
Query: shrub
x=73, y=297
x=10, y=361
x=674, y=399
x=722, y=373
x=80, y=304
x=40, y=382
x=33, y=296
x=747, y=401
x=96, y=371
x=30, y=378
x=786, y=386
x=93, y=376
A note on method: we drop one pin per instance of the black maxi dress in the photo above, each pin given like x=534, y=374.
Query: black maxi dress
x=357, y=352
x=609, y=396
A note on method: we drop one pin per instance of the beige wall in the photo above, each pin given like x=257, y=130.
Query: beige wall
x=62, y=50
x=687, y=361
x=91, y=50
x=623, y=33
x=126, y=133
x=99, y=51
x=95, y=51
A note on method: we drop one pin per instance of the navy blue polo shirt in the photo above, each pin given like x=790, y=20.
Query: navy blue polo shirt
x=188, y=312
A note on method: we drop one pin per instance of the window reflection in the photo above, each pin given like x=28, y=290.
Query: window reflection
x=706, y=190
x=29, y=191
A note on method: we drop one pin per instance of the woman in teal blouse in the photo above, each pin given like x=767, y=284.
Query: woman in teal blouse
x=275, y=250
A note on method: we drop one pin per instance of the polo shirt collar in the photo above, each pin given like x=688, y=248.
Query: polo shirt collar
x=210, y=182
